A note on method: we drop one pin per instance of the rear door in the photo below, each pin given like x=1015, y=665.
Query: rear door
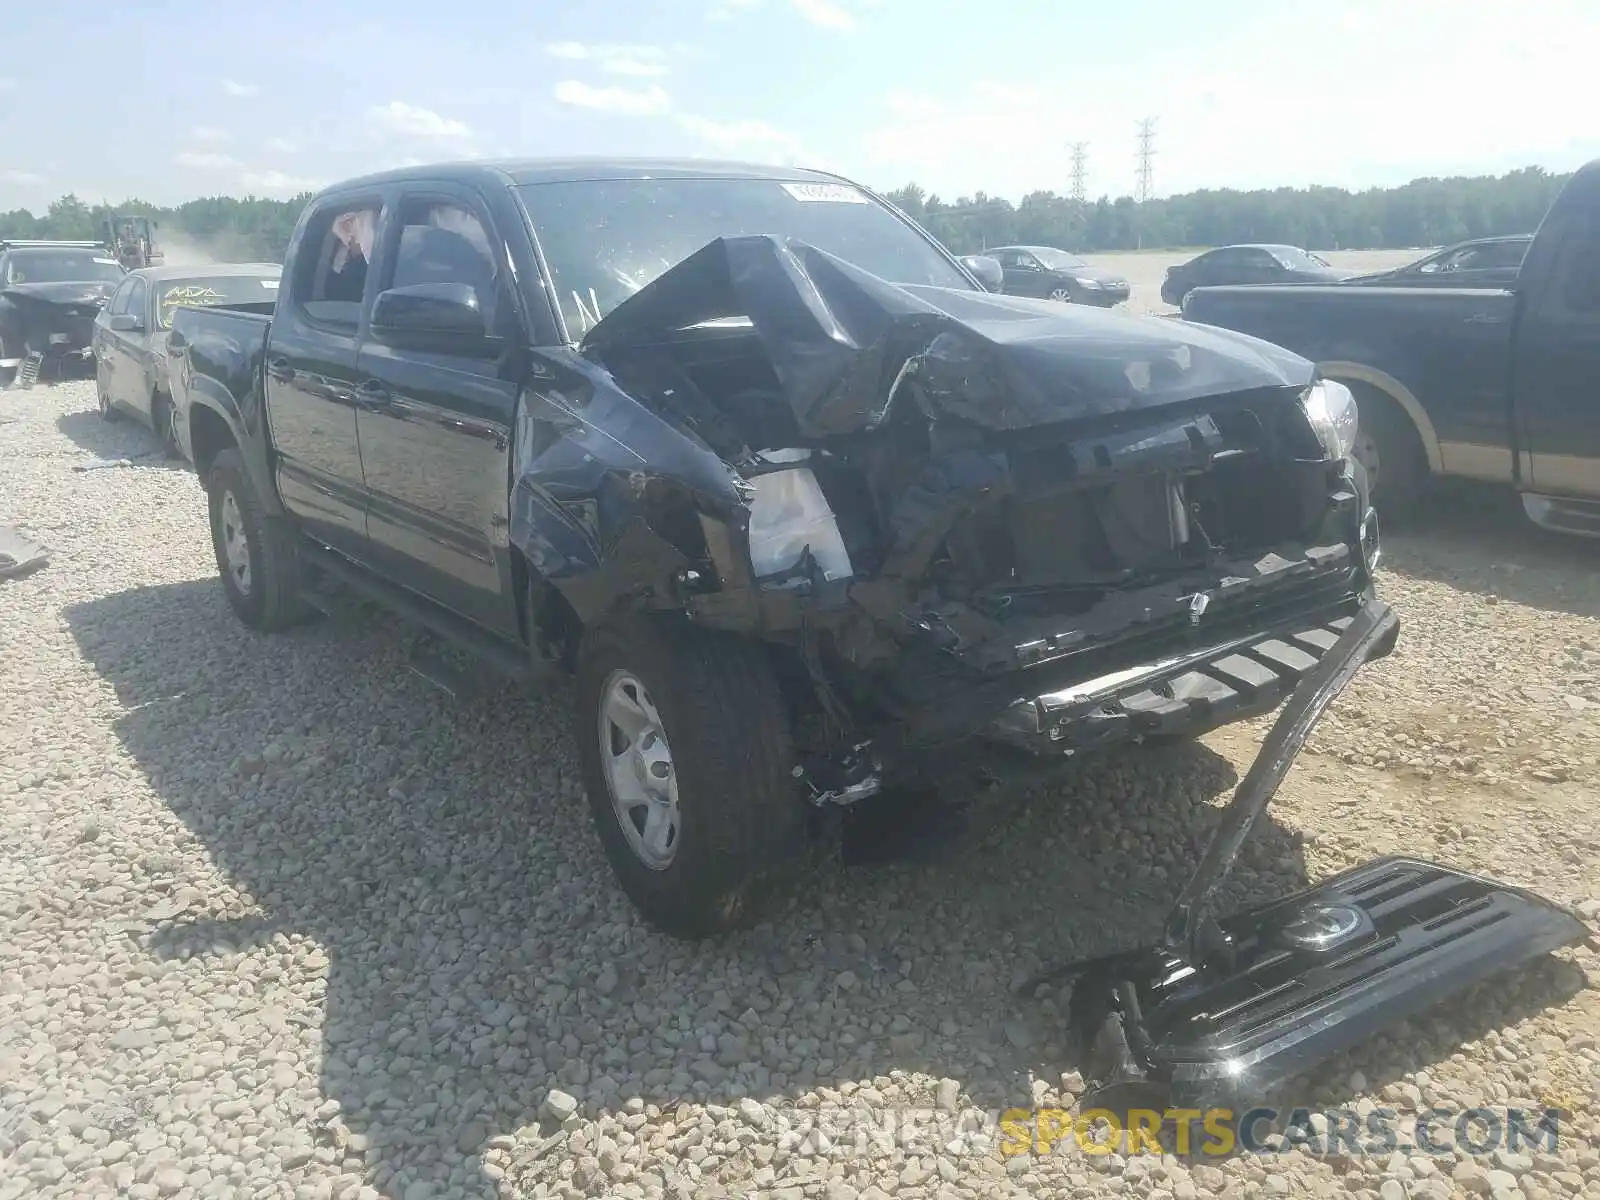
x=435, y=428
x=311, y=368
x=1556, y=377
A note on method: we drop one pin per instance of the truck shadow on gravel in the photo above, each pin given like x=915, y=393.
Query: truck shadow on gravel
x=125, y=437
x=478, y=951
x=1476, y=538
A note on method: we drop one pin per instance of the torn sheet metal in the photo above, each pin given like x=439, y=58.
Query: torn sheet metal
x=840, y=339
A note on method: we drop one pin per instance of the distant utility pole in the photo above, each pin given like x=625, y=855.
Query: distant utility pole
x=1147, y=153
x=1080, y=155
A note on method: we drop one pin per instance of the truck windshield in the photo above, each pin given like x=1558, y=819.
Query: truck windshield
x=203, y=291
x=603, y=240
x=60, y=266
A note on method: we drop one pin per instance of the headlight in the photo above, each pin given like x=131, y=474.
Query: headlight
x=1331, y=409
x=788, y=515
x=1082, y=282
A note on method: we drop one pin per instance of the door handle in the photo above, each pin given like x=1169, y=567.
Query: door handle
x=280, y=370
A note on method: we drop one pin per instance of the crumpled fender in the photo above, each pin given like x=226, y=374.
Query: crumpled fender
x=599, y=485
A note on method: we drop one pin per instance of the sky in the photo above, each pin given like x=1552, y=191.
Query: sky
x=166, y=100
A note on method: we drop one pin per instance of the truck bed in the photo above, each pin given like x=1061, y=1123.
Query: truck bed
x=219, y=349
x=1338, y=322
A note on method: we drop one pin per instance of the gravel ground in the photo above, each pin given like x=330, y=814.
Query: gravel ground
x=279, y=918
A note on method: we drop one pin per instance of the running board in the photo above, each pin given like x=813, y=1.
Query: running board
x=508, y=659
x=1563, y=514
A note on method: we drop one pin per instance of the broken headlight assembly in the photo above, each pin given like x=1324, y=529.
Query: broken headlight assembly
x=1331, y=409
x=794, y=536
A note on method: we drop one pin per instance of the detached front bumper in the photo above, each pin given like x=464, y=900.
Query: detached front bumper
x=1221, y=1011
x=1179, y=695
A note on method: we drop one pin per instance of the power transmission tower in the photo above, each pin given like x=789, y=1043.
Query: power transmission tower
x=1147, y=153
x=1080, y=154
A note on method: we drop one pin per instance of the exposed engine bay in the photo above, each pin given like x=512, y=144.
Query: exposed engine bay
x=953, y=500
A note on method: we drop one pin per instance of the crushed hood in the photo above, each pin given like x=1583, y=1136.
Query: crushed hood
x=839, y=337
x=64, y=294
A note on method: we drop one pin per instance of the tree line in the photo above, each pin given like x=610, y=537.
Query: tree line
x=1424, y=212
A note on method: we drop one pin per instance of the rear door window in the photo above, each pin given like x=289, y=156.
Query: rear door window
x=330, y=277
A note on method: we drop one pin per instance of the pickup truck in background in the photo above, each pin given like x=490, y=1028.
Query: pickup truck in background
x=811, y=517
x=1495, y=384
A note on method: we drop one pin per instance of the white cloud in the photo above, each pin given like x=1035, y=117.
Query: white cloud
x=234, y=88
x=1236, y=110
x=210, y=133
x=204, y=160
x=748, y=138
x=23, y=178
x=411, y=121
x=276, y=183
x=636, y=61
x=282, y=145
x=722, y=10
x=621, y=101
x=826, y=14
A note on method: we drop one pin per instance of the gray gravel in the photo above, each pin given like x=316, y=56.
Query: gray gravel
x=278, y=918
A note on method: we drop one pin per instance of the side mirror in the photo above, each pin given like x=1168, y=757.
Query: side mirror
x=987, y=270
x=444, y=317
x=126, y=323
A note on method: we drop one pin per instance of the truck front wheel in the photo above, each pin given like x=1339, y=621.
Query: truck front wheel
x=256, y=554
x=685, y=746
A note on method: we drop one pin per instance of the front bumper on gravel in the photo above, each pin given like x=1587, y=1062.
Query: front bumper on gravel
x=1221, y=1011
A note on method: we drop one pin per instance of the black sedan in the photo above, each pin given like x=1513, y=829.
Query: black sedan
x=130, y=336
x=1051, y=274
x=1491, y=262
x=1248, y=264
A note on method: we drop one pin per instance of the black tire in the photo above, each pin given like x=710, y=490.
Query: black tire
x=741, y=821
x=1402, y=475
x=269, y=597
x=161, y=418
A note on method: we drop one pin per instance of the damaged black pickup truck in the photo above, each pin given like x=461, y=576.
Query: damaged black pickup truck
x=807, y=511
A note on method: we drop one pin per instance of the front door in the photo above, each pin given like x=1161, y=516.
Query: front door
x=311, y=371
x=435, y=427
x=1025, y=275
x=105, y=340
x=125, y=349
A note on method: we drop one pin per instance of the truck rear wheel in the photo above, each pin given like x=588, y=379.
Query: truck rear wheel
x=686, y=752
x=256, y=554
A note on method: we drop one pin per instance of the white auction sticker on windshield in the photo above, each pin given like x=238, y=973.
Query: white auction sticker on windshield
x=270, y=284
x=110, y=262
x=824, y=193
